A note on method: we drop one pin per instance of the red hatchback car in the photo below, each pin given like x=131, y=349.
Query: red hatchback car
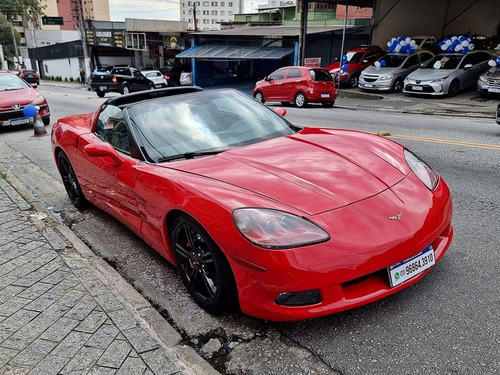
x=299, y=85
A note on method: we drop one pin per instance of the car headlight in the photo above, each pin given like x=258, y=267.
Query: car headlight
x=39, y=100
x=482, y=78
x=422, y=170
x=273, y=229
x=385, y=78
x=439, y=80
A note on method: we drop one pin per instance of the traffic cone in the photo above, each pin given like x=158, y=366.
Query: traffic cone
x=38, y=126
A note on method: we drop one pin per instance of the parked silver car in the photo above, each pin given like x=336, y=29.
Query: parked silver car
x=157, y=77
x=388, y=72
x=447, y=73
x=489, y=81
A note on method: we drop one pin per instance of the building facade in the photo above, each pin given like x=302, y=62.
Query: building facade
x=203, y=15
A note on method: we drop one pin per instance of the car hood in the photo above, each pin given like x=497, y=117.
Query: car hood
x=21, y=96
x=493, y=72
x=381, y=70
x=430, y=74
x=313, y=171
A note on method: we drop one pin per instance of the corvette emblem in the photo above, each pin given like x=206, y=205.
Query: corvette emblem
x=16, y=106
x=397, y=217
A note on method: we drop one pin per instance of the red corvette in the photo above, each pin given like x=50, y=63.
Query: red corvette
x=283, y=223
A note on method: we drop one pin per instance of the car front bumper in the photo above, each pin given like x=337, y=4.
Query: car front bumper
x=425, y=88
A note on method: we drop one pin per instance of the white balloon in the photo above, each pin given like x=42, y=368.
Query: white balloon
x=413, y=43
x=453, y=38
x=398, y=48
x=377, y=63
x=465, y=43
x=437, y=65
x=444, y=47
x=471, y=46
x=407, y=40
x=448, y=42
x=402, y=43
x=458, y=48
x=492, y=63
x=389, y=44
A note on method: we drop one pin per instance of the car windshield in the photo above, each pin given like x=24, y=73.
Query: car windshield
x=354, y=57
x=443, y=62
x=11, y=82
x=393, y=61
x=189, y=125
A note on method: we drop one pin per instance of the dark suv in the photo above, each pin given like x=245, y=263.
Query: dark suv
x=357, y=59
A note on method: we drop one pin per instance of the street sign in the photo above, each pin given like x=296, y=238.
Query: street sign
x=52, y=20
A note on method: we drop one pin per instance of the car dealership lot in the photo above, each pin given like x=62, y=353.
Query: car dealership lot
x=446, y=323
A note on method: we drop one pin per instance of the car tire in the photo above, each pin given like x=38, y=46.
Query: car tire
x=46, y=121
x=151, y=86
x=300, y=100
x=328, y=104
x=125, y=90
x=454, y=88
x=353, y=81
x=398, y=85
x=100, y=93
x=259, y=97
x=70, y=181
x=203, y=268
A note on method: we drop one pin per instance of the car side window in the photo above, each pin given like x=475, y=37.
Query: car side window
x=294, y=73
x=280, y=74
x=138, y=74
x=469, y=59
x=412, y=60
x=425, y=56
x=369, y=57
x=111, y=128
x=481, y=57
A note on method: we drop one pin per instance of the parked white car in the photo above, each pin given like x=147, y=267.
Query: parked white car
x=157, y=77
x=389, y=72
x=186, y=79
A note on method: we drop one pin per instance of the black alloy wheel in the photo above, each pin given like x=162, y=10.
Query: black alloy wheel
x=353, y=81
x=70, y=181
x=203, y=268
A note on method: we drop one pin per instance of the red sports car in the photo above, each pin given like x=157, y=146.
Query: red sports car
x=283, y=223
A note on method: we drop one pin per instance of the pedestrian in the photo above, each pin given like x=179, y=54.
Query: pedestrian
x=82, y=76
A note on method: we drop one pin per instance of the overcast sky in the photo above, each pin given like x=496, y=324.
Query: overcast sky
x=156, y=9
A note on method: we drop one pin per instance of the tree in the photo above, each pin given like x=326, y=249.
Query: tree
x=6, y=39
x=30, y=9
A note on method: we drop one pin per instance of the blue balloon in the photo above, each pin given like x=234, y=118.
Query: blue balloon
x=382, y=63
x=344, y=67
x=441, y=44
x=410, y=50
x=391, y=49
x=29, y=110
x=465, y=50
x=461, y=39
x=498, y=60
x=344, y=59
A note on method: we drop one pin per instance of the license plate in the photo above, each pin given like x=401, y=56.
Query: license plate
x=494, y=89
x=20, y=121
x=103, y=88
x=368, y=85
x=417, y=88
x=405, y=270
x=325, y=95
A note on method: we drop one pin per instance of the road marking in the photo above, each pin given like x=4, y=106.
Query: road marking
x=443, y=141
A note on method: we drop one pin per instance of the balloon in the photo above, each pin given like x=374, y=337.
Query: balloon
x=382, y=63
x=465, y=43
x=471, y=46
x=391, y=49
x=344, y=67
x=465, y=50
x=30, y=111
x=444, y=47
x=407, y=40
x=437, y=65
x=461, y=38
x=398, y=48
x=389, y=43
x=492, y=63
x=344, y=59
x=377, y=63
x=498, y=60
x=410, y=50
x=413, y=43
x=457, y=48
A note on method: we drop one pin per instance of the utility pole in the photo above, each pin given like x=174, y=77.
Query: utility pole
x=194, y=17
x=83, y=37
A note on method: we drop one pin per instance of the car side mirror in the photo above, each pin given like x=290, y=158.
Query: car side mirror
x=467, y=66
x=280, y=111
x=103, y=149
x=267, y=79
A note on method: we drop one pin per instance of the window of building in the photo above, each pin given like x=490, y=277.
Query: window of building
x=230, y=13
x=214, y=12
x=222, y=4
x=222, y=13
x=214, y=3
x=230, y=4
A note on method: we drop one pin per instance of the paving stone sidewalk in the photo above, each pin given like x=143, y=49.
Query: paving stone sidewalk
x=56, y=316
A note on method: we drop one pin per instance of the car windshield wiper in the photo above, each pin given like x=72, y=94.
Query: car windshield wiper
x=189, y=155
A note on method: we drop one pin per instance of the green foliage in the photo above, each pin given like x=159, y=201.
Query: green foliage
x=30, y=9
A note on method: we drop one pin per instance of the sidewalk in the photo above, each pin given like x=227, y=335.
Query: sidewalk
x=63, y=310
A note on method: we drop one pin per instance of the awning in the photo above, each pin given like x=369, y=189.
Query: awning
x=224, y=52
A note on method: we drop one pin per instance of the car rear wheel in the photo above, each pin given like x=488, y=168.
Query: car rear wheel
x=398, y=85
x=259, y=97
x=300, y=100
x=70, y=181
x=125, y=90
x=151, y=86
x=100, y=93
x=454, y=88
x=203, y=268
